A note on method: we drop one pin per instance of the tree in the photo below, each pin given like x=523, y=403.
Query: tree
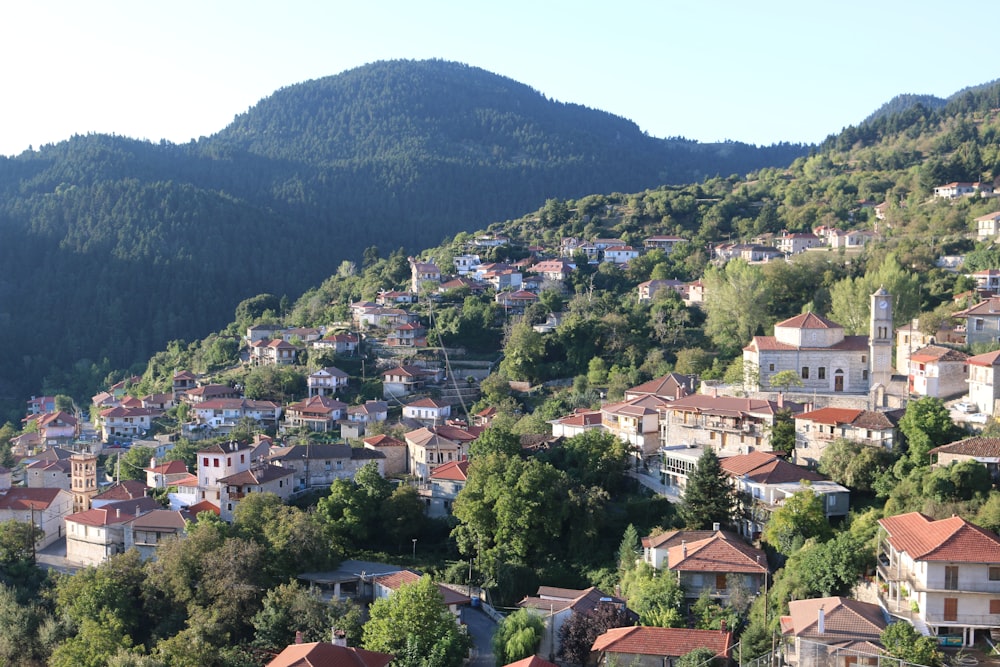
x=784, y=380
x=134, y=462
x=654, y=595
x=698, y=658
x=518, y=636
x=735, y=304
x=290, y=607
x=708, y=497
x=578, y=633
x=926, y=424
x=854, y=465
x=523, y=351
x=902, y=641
x=628, y=548
x=414, y=624
x=495, y=439
x=783, y=432
x=798, y=519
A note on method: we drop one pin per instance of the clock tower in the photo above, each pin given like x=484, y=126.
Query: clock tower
x=880, y=339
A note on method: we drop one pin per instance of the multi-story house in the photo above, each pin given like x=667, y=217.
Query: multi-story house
x=145, y=533
x=648, y=289
x=636, y=421
x=320, y=465
x=222, y=460
x=276, y=352
x=407, y=335
x=317, y=413
x=817, y=429
x=48, y=474
x=715, y=560
x=223, y=414
x=982, y=322
x=465, y=264
x=340, y=343
x=423, y=273
x=963, y=189
x=427, y=449
x=938, y=372
x=445, y=483
x=646, y=646
x=620, y=254
x=368, y=412
x=45, y=508
x=664, y=243
x=942, y=576
x=326, y=381
x=982, y=450
x=834, y=631
x=557, y=605
x=984, y=381
x=515, y=302
x=988, y=225
x=910, y=338
x=392, y=449
x=763, y=482
x=404, y=380
x=95, y=535
x=792, y=243
x=427, y=410
x=727, y=424
x=258, y=478
x=122, y=422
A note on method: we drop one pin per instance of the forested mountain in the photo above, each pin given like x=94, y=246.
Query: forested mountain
x=111, y=247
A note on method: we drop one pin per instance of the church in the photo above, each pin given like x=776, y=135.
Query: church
x=825, y=360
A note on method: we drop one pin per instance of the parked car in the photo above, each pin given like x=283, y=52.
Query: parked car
x=967, y=408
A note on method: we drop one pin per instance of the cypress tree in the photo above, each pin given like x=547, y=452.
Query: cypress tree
x=708, y=497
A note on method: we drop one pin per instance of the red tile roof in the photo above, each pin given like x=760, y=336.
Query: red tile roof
x=808, y=321
x=987, y=359
x=767, y=469
x=978, y=447
x=672, y=642
x=533, y=661
x=844, y=620
x=849, y=344
x=322, y=654
x=125, y=490
x=832, y=416
x=384, y=441
x=204, y=506
x=719, y=553
x=456, y=471
x=933, y=353
x=953, y=539
x=169, y=468
x=426, y=403
x=19, y=498
x=394, y=580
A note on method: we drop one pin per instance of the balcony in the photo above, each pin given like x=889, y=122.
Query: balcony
x=890, y=573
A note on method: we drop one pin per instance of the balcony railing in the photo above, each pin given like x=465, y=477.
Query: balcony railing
x=889, y=572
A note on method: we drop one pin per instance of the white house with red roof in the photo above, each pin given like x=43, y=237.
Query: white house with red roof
x=94, y=535
x=222, y=460
x=958, y=189
x=580, y=421
x=937, y=371
x=824, y=358
x=445, y=483
x=558, y=269
x=648, y=289
x=317, y=413
x=46, y=508
x=429, y=448
x=942, y=576
x=403, y=380
x=408, y=334
x=557, y=605
x=635, y=421
x=122, y=422
x=517, y=301
x=160, y=475
x=340, y=343
x=428, y=410
x=620, y=254
x=422, y=273
x=984, y=381
x=817, y=429
x=644, y=646
x=716, y=563
x=326, y=381
x=988, y=225
x=276, y=352
x=792, y=243
x=259, y=478
x=223, y=414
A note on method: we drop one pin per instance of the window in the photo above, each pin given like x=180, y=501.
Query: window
x=805, y=372
x=864, y=374
x=821, y=372
x=215, y=463
x=770, y=367
x=204, y=462
x=864, y=358
x=978, y=324
x=994, y=573
x=995, y=606
x=951, y=577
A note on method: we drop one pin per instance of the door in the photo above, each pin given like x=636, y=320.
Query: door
x=951, y=609
x=838, y=381
x=720, y=582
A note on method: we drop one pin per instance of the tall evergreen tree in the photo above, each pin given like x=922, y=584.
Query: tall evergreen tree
x=708, y=497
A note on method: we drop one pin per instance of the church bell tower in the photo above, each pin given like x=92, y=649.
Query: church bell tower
x=880, y=339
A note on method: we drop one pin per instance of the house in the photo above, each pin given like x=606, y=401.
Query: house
x=385, y=585
x=427, y=449
x=667, y=387
x=816, y=429
x=465, y=264
x=984, y=381
x=184, y=493
x=223, y=414
x=763, y=482
x=834, y=631
x=717, y=563
x=942, y=576
x=277, y=352
x=461, y=283
x=635, y=421
x=558, y=269
x=445, y=483
x=319, y=465
x=727, y=424
x=369, y=412
x=162, y=475
x=620, y=254
x=963, y=189
x=677, y=462
x=94, y=535
x=910, y=338
x=642, y=646
x=982, y=322
x=490, y=240
x=40, y=405
x=937, y=371
x=392, y=449
x=987, y=280
x=47, y=474
x=301, y=335
x=45, y=508
x=580, y=421
x=430, y=410
x=502, y=279
x=259, y=332
x=404, y=380
x=340, y=343
x=648, y=289
x=531, y=661
x=390, y=297
x=326, y=381
x=209, y=392
x=854, y=238
x=823, y=358
x=161, y=402
x=792, y=243
x=988, y=225
x=664, y=243
x=258, y=478
x=122, y=422
x=556, y=605
x=422, y=273
x=183, y=381
x=322, y=654
x=222, y=460
x=407, y=335
x=978, y=448
x=127, y=490
x=695, y=293
x=515, y=302
x=316, y=413
x=57, y=428
x=145, y=532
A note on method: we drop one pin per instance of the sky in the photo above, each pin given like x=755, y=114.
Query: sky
x=760, y=73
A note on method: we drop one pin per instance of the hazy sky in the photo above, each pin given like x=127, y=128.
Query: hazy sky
x=758, y=72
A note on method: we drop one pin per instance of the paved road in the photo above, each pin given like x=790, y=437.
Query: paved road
x=653, y=482
x=53, y=557
x=481, y=627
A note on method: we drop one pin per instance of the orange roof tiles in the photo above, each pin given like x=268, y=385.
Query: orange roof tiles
x=953, y=539
x=718, y=553
x=673, y=642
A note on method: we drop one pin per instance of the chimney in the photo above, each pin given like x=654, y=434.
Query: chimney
x=298, y=636
x=821, y=621
x=716, y=527
x=781, y=399
x=722, y=625
x=152, y=462
x=339, y=638
x=684, y=549
x=118, y=512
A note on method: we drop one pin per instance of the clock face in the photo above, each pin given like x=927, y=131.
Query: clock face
x=883, y=304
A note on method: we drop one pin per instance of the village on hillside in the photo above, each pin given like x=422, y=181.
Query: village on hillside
x=809, y=398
